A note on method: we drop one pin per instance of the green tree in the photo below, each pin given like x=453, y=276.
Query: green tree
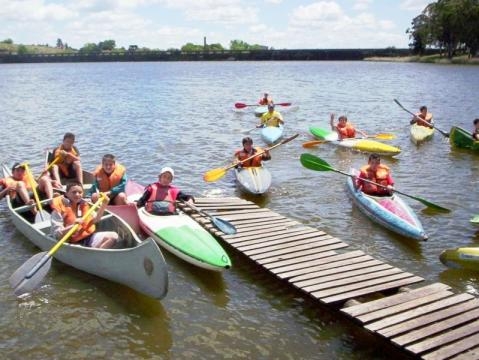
x=89, y=48
x=214, y=47
x=8, y=41
x=22, y=49
x=241, y=45
x=59, y=43
x=192, y=47
x=107, y=45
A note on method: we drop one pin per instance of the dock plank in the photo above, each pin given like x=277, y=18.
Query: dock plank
x=371, y=306
x=434, y=308
x=312, y=265
x=435, y=328
x=297, y=254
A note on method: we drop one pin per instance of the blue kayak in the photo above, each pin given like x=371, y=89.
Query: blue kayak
x=271, y=134
x=388, y=211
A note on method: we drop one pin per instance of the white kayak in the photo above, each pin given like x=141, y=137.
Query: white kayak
x=420, y=133
x=271, y=134
x=254, y=180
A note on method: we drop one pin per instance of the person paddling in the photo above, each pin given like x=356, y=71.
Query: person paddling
x=475, y=132
x=345, y=129
x=69, y=209
x=271, y=118
x=247, y=151
x=110, y=178
x=69, y=166
x=266, y=99
x=378, y=173
x=160, y=197
x=423, y=117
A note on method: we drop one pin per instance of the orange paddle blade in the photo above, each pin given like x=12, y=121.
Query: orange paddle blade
x=313, y=143
x=214, y=175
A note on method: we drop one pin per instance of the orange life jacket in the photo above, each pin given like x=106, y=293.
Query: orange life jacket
x=265, y=101
x=162, y=193
x=347, y=130
x=256, y=161
x=10, y=181
x=65, y=161
x=380, y=176
x=107, y=182
x=70, y=213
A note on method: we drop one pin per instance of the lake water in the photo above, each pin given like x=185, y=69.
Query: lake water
x=181, y=114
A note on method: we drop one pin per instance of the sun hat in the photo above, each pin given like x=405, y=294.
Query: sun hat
x=167, y=169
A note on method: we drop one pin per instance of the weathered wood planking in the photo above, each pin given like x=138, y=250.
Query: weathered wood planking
x=430, y=322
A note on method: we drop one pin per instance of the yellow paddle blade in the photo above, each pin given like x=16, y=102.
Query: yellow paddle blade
x=385, y=136
x=214, y=175
x=313, y=143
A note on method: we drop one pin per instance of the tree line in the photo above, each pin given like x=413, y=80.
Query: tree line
x=449, y=25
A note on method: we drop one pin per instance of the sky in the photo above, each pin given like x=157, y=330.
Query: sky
x=165, y=24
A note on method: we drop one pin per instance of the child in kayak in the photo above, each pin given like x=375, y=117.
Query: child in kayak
x=475, y=132
x=376, y=172
x=344, y=128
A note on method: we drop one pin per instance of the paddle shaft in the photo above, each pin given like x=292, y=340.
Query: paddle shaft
x=54, y=249
x=382, y=136
x=443, y=133
x=34, y=189
x=57, y=159
x=243, y=105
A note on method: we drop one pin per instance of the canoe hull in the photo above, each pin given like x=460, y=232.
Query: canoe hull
x=462, y=139
x=137, y=264
x=390, y=212
x=185, y=238
x=253, y=180
x=461, y=258
x=419, y=134
x=363, y=145
x=271, y=134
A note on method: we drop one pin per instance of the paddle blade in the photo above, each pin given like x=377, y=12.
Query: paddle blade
x=284, y=104
x=313, y=143
x=214, y=175
x=223, y=225
x=312, y=162
x=22, y=282
x=385, y=136
x=239, y=105
x=42, y=216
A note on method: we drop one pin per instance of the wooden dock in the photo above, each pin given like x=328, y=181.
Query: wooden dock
x=428, y=322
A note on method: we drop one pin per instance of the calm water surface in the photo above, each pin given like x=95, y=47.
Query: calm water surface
x=181, y=114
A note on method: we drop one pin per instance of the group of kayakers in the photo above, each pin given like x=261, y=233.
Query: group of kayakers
x=69, y=207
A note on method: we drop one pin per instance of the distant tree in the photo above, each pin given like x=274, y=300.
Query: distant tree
x=59, y=43
x=8, y=41
x=214, y=47
x=89, y=48
x=192, y=47
x=22, y=49
x=107, y=45
x=241, y=45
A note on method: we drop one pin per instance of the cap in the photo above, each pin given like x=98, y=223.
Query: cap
x=167, y=169
x=17, y=165
x=270, y=106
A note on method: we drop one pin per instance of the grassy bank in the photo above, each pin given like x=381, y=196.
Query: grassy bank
x=430, y=59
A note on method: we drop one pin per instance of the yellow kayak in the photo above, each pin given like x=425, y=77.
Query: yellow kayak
x=364, y=145
x=461, y=258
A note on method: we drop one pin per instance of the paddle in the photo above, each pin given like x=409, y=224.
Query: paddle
x=240, y=105
x=41, y=215
x=221, y=224
x=314, y=163
x=28, y=276
x=218, y=173
x=57, y=159
x=385, y=136
x=445, y=134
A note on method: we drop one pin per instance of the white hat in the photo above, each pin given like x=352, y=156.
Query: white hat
x=167, y=169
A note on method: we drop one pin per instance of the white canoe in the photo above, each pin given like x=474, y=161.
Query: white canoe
x=137, y=264
x=254, y=180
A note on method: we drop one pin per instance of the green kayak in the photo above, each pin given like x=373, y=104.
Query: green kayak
x=461, y=138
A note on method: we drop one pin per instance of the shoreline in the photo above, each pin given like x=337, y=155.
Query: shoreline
x=429, y=59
